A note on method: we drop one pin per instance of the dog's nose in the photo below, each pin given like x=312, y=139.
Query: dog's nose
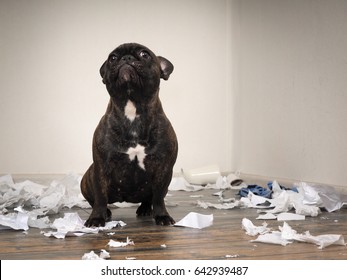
x=128, y=58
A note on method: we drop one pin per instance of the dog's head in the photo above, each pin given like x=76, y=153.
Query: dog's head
x=133, y=70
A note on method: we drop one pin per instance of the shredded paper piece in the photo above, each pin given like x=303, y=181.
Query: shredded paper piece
x=72, y=225
x=284, y=216
x=274, y=237
x=231, y=256
x=117, y=244
x=18, y=221
x=253, y=230
x=290, y=217
x=195, y=220
x=267, y=216
x=219, y=206
x=287, y=235
x=92, y=256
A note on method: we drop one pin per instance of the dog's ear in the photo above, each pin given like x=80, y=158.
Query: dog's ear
x=166, y=68
x=103, y=72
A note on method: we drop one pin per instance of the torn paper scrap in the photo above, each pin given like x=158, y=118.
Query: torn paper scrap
x=33, y=220
x=196, y=220
x=281, y=203
x=310, y=195
x=116, y=244
x=255, y=201
x=290, y=217
x=232, y=256
x=331, y=199
x=92, y=256
x=321, y=241
x=253, y=230
x=112, y=224
x=72, y=225
x=219, y=194
x=267, y=216
x=285, y=216
x=274, y=237
x=307, y=210
x=219, y=206
x=125, y=204
x=196, y=195
x=104, y=254
x=17, y=221
x=287, y=235
x=70, y=222
x=287, y=232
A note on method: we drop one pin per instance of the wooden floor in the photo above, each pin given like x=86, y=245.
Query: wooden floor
x=224, y=238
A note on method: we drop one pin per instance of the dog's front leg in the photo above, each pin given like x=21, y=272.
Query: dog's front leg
x=160, y=188
x=98, y=184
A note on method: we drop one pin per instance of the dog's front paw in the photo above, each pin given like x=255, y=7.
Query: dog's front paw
x=145, y=209
x=98, y=220
x=164, y=220
x=95, y=222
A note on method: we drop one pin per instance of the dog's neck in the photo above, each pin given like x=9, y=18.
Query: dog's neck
x=130, y=111
x=133, y=109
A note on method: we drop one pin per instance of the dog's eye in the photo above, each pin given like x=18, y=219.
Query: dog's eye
x=144, y=54
x=112, y=58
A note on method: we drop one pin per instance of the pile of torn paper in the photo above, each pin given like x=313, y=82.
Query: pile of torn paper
x=28, y=204
x=287, y=235
x=304, y=199
x=72, y=225
x=32, y=202
x=44, y=199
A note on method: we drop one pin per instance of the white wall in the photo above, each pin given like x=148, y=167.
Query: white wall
x=290, y=87
x=259, y=86
x=51, y=94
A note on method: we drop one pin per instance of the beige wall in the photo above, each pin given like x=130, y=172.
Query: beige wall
x=52, y=96
x=259, y=85
x=290, y=70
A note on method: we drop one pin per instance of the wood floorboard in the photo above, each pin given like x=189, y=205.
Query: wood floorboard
x=224, y=237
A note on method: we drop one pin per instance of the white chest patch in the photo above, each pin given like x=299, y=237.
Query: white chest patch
x=130, y=111
x=139, y=152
